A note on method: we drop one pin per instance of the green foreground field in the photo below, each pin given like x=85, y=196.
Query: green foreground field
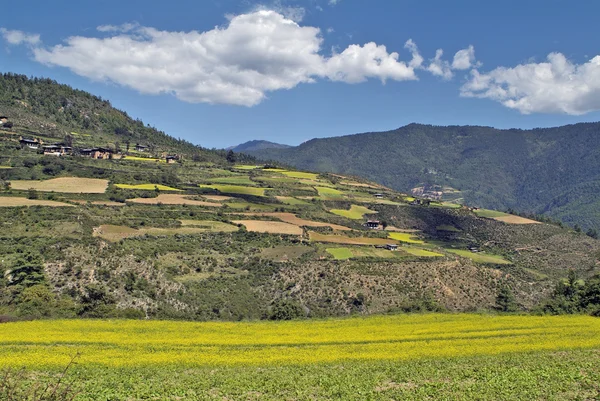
x=377, y=358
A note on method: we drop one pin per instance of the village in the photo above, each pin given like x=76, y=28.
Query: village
x=100, y=153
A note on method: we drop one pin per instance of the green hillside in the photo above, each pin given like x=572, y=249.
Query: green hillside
x=44, y=108
x=214, y=235
x=553, y=171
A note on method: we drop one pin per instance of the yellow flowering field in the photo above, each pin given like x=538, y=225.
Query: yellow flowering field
x=122, y=343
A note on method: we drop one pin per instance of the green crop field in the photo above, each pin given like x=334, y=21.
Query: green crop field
x=340, y=253
x=421, y=252
x=246, y=167
x=356, y=212
x=236, y=189
x=379, y=358
x=147, y=187
x=326, y=192
x=405, y=237
x=289, y=200
x=237, y=180
x=299, y=174
x=480, y=257
x=490, y=213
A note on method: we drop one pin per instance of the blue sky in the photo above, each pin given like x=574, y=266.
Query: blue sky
x=219, y=73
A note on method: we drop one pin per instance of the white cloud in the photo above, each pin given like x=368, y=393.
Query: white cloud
x=118, y=28
x=237, y=64
x=334, y=2
x=464, y=59
x=439, y=67
x=357, y=63
x=19, y=37
x=330, y=30
x=417, y=60
x=554, y=86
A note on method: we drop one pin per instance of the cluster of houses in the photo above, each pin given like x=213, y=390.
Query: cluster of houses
x=61, y=149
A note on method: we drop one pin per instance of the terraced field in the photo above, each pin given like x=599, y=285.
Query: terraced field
x=174, y=199
x=63, y=184
x=271, y=227
x=116, y=233
x=13, y=201
x=355, y=213
x=237, y=189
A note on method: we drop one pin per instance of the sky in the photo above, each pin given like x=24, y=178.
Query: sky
x=219, y=73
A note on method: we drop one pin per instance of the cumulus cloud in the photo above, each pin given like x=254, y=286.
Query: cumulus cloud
x=439, y=67
x=554, y=86
x=357, y=63
x=238, y=64
x=19, y=37
x=464, y=59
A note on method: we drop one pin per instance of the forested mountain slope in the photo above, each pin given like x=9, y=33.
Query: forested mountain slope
x=44, y=107
x=555, y=171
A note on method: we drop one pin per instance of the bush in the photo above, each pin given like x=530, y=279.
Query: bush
x=286, y=309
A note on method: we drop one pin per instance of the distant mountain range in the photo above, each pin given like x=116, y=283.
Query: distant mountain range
x=256, y=145
x=552, y=171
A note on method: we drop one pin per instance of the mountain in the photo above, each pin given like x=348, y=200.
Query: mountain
x=218, y=236
x=551, y=171
x=255, y=145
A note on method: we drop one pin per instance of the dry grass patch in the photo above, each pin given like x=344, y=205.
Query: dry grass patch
x=510, y=219
x=6, y=201
x=271, y=227
x=74, y=185
x=116, y=233
x=173, y=199
x=293, y=219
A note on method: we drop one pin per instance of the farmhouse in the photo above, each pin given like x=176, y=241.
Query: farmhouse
x=140, y=148
x=3, y=119
x=378, y=196
x=31, y=143
x=391, y=247
x=373, y=224
x=58, y=149
x=172, y=159
x=97, y=153
x=423, y=202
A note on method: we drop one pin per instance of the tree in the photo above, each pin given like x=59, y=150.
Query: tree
x=592, y=232
x=68, y=140
x=505, y=300
x=28, y=271
x=286, y=309
x=231, y=157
